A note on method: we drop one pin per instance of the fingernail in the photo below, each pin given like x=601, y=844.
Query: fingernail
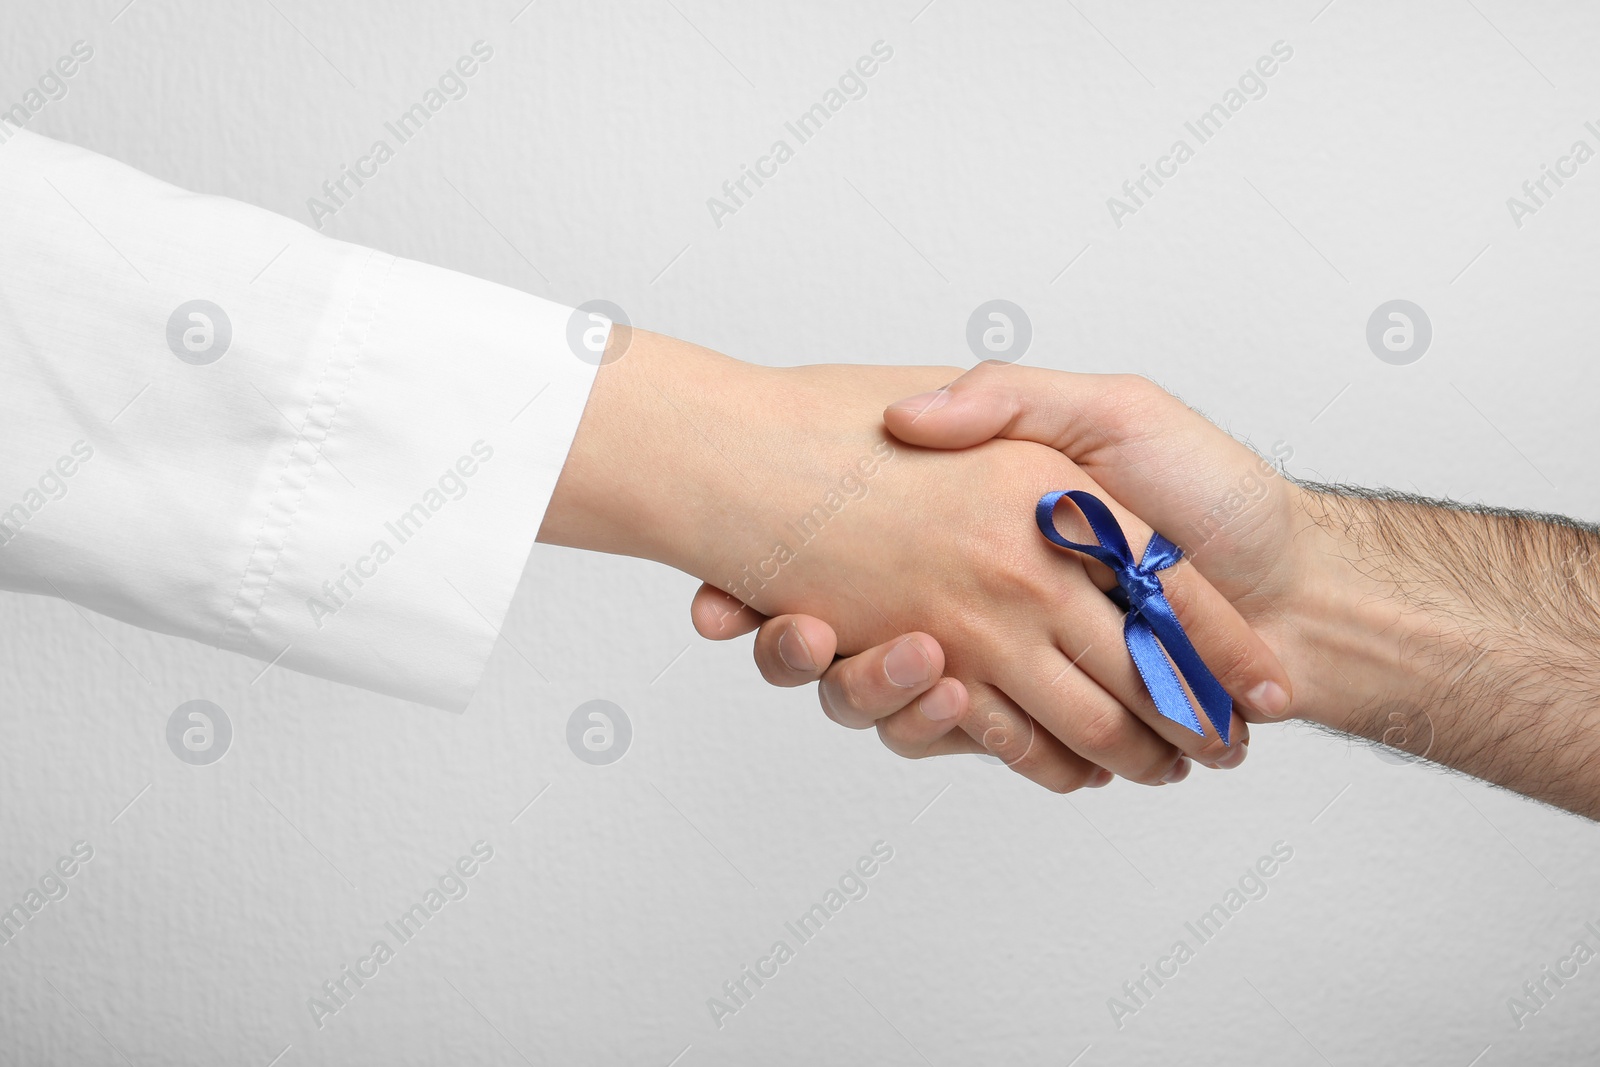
x=1099, y=779
x=1179, y=772
x=939, y=704
x=907, y=665
x=923, y=403
x=794, y=651
x=1269, y=699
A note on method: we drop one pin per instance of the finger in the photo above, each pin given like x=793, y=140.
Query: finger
x=1005, y=731
x=1089, y=633
x=1234, y=652
x=1107, y=662
x=1176, y=478
x=719, y=616
x=1090, y=721
x=927, y=725
x=793, y=650
x=1239, y=747
x=1229, y=647
x=858, y=691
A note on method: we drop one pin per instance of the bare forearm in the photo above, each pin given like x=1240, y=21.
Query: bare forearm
x=696, y=460
x=1468, y=636
x=653, y=458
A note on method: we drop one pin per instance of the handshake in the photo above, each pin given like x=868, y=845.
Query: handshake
x=1017, y=650
x=876, y=527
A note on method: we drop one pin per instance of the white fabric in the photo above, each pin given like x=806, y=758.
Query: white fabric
x=369, y=413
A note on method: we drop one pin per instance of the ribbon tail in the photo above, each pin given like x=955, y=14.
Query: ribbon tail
x=1163, y=623
x=1165, y=689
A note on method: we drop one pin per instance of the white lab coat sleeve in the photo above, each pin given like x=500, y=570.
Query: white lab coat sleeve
x=216, y=423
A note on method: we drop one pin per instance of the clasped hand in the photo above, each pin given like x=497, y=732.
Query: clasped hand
x=969, y=632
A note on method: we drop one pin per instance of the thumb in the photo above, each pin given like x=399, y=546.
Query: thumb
x=960, y=415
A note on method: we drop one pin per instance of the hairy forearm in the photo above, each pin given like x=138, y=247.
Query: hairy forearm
x=1467, y=635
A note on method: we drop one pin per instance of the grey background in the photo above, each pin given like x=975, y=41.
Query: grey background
x=1377, y=167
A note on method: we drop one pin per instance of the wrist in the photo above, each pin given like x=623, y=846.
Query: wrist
x=701, y=462
x=1366, y=655
x=656, y=467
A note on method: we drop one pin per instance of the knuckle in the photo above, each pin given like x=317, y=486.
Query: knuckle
x=1137, y=399
x=1228, y=652
x=1140, y=390
x=1043, y=764
x=1005, y=736
x=1238, y=664
x=1028, y=761
x=1231, y=659
x=1102, y=731
x=900, y=740
x=1179, y=588
x=1156, y=770
x=1056, y=775
x=1108, y=737
x=986, y=372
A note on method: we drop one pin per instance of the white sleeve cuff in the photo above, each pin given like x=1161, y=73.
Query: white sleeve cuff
x=396, y=532
x=349, y=486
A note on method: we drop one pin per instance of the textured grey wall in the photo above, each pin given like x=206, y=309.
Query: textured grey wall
x=1377, y=166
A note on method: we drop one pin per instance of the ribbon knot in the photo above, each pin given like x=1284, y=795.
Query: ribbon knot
x=1139, y=586
x=1151, y=625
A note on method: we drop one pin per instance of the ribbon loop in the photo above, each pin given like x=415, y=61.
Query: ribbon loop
x=1151, y=628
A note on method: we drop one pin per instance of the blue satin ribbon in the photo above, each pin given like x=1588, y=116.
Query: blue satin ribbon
x=1150, y=623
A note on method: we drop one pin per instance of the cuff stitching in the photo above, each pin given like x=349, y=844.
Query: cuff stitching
x=322, y=410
